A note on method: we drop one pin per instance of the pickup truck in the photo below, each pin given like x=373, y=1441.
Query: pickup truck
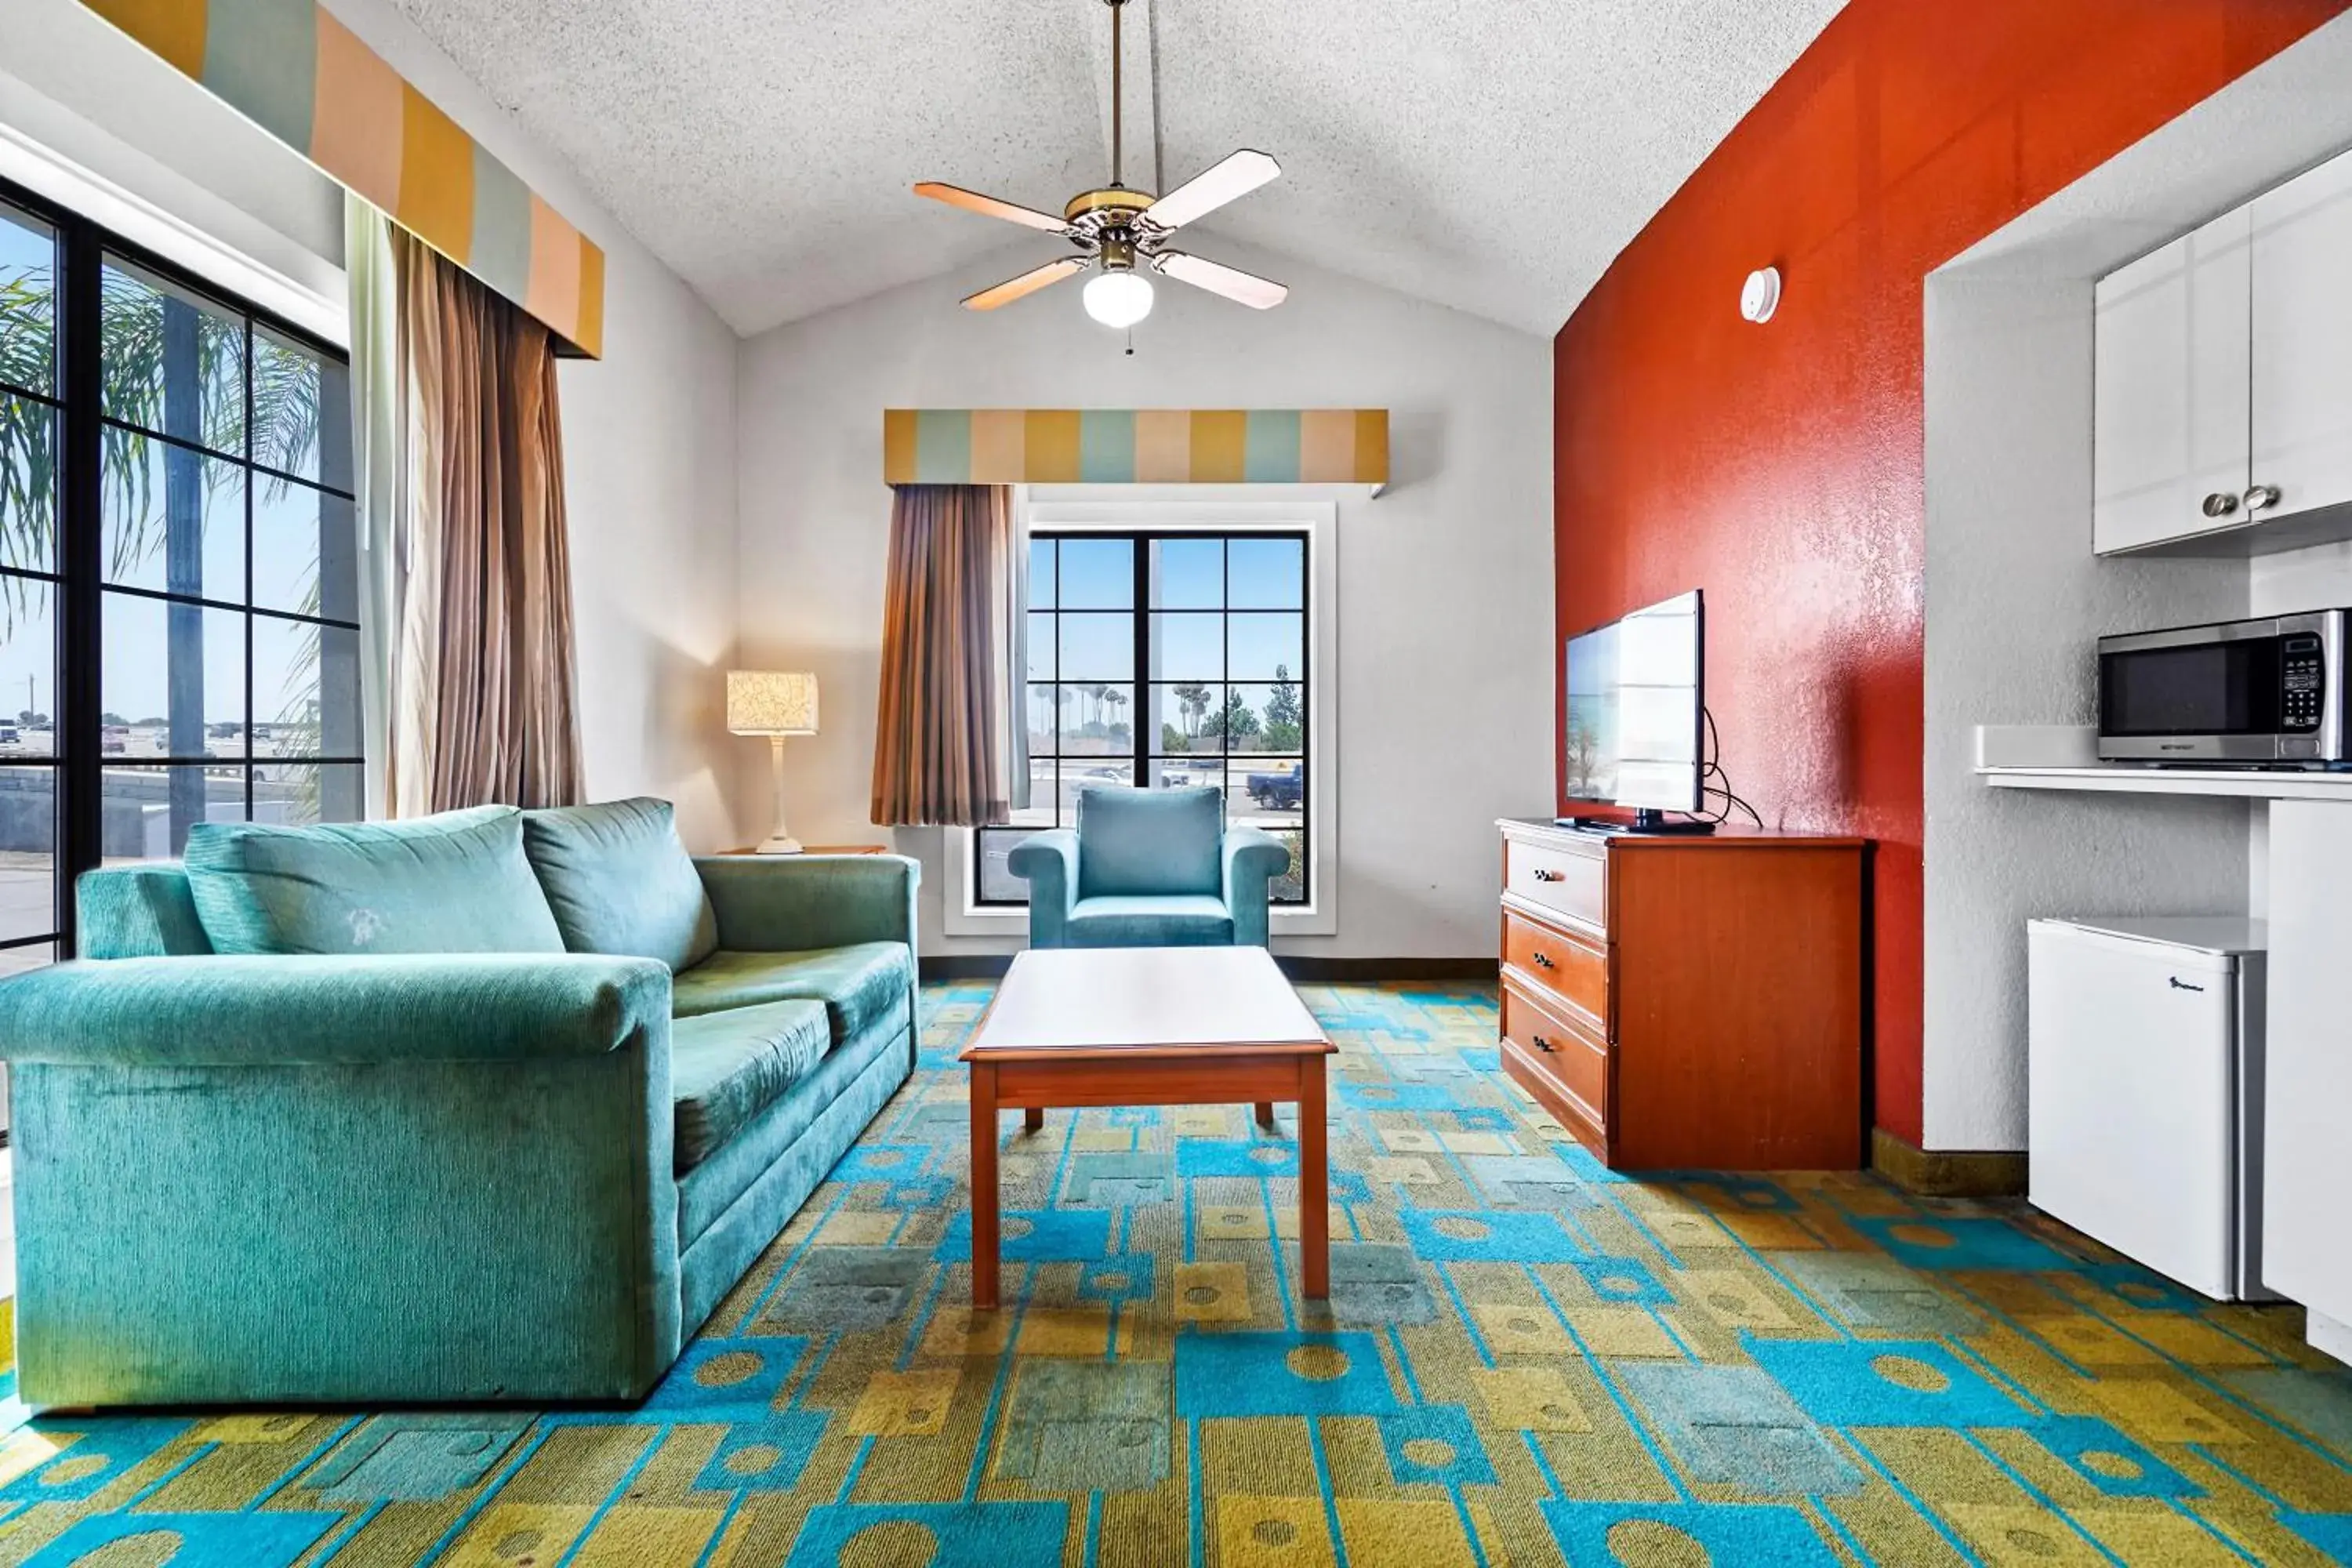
x=1279, y=792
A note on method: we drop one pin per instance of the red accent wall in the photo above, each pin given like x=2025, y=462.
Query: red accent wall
x=1781, y=468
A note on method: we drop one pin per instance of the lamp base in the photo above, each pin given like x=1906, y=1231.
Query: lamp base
x=779, y=846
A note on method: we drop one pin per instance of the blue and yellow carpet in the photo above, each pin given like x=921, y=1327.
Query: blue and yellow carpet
x=1524, y=1360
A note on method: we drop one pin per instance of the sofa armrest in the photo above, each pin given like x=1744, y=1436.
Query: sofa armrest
x=784, y=904
x=1253, y=858
x=252, y=1011
x=1048, y=862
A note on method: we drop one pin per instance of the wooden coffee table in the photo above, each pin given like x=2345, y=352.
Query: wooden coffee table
x=1148, y=1026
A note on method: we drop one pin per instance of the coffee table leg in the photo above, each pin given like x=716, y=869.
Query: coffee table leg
x=984, y=1185
x=1266, y=1113
x=1034, y=1119
x=1314, y=1183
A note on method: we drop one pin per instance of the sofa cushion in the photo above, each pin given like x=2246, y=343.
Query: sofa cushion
x=1141, y=841
x=856, y=983
x=619, y=881
x=137, y=911
x=456, y=882
x=726, y=1067
x=1176, y=920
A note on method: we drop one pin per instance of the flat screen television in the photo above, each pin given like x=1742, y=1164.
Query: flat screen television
x=1636, y=709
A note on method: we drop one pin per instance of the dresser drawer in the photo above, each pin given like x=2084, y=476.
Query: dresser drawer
x=1566, y=1053
x=1572, y=971
x=1562, y=880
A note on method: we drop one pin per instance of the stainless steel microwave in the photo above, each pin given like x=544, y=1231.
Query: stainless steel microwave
x=2238, y=693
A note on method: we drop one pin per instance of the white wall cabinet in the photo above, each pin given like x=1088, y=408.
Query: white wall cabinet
x=2223, y=392
x=2302, y=402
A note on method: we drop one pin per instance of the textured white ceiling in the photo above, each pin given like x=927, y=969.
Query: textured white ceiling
x=1486, y=156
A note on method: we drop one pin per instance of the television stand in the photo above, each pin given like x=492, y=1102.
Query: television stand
x=1645, y=821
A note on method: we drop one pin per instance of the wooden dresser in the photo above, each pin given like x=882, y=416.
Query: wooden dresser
x=1689, y=1002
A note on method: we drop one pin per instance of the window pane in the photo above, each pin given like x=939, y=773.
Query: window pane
x=997, y=885
x=171, y=360
x=28, y=654
x=1041, y=647
x=1184, y=772
x=1041, y=574
x=1266, y=792
x=1266, y=648
x=302, y=411
x=1098, y=719
x=175, y=520
x=1268, y=718
x=28, y=313
x=1097, y=647
x=1043, y=742
x=305, y=551
x=28, y=479
x=28, y=846
x=1181, y=715
x=1188, y=574
x=32, y=955
x=149, y=810
x=1097, y=574
x=297, y=794
x=1187, y=648
x=306, y=689
x=1043, y=794
x=1268, y=574
x=174, y=674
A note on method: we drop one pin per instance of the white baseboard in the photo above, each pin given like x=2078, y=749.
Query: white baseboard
x=2324, y=1333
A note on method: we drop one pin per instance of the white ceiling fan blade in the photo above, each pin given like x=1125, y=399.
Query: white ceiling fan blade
x=1028, y=283
x=1237, y=176
x=988, y=206
x=1242, y=288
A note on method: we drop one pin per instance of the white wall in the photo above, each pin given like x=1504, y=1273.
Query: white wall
x=2015, y=603
x=1444, y=599
x=649, y=430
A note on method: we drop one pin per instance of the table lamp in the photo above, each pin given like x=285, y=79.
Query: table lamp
x=775, y=704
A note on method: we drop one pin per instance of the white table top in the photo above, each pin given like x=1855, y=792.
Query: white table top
x=1145, y=998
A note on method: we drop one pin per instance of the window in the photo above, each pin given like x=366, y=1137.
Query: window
x=179, y=581
x=1165, y=659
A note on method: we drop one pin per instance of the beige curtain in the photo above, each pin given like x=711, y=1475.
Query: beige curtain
x=482, y=691
x=945, y=746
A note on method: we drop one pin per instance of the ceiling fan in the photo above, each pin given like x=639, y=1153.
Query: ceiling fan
x=1123, y=230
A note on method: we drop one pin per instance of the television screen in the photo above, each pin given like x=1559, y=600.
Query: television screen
x=1634, y=708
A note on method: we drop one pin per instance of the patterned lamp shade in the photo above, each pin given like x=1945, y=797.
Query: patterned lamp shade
x=771, y=702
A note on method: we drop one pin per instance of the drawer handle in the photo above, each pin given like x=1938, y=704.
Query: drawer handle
x=1543, y=961
x=1542, y=1044
x=1544, y=876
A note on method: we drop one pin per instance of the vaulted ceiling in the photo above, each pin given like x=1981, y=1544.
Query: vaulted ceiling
x=1483, y=154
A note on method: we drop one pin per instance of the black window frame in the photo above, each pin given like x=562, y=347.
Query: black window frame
x=78, y=579
x=1145, y=754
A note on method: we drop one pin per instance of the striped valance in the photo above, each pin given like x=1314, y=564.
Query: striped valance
x=1135, y=446
x=294, y=70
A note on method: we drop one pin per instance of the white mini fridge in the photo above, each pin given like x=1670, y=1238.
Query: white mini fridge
x=2144, y=1038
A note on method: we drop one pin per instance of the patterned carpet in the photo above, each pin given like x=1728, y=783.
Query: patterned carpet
x=1525, y=1361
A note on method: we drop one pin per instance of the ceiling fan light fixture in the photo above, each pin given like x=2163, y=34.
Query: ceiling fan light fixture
x=1118, y=300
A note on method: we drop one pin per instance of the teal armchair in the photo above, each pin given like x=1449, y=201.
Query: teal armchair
x=1149, y=868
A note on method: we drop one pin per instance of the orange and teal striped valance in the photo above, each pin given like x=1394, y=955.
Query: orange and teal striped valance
x=1135, y=446
x=294, y=70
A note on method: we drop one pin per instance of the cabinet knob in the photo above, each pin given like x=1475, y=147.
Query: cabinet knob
x=2261, y=497
x=1543, y=961
x=1544, y=876
x=1541, y=1044
x=2221, y=503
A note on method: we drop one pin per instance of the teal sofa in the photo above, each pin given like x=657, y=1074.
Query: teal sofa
x=1149, y=867
x=487, y=1106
